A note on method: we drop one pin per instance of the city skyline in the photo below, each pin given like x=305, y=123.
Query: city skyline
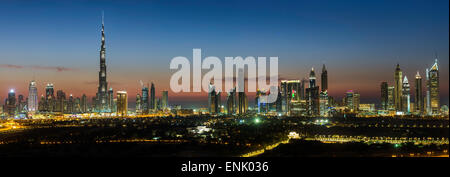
x=79, y=78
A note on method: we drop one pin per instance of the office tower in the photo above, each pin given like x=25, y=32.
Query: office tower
x=302, y=89
x=32, y=98
x=349, y=100
x=324, y=103
x=406, y=96
x=21, y=104
x=10, y=103
x=138, y=104
x=384, y=96
x=324, y=78
x=391, y=103
x=165, y=100
x=433, y=89
x=71, y=105
x=418, y=96
x=289, y=93
x=152, y=98
x=261, y=107
x=242, y=103
x=313, y=95
x=122, y=103
x=110, y=100
x=49, y=98
x=356, y=101
x=77, y=105
x=84, y=104
x=158, y=104
x=231, y=101
x=60, y=101
x=212, y=99
x=102, y=93
x=398, y=88
x=145, y=101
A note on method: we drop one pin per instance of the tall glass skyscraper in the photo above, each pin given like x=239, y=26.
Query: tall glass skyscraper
x=32, y=97
x=398, y=88
x=406, y=96
x=433, y=89
x=418, y=96
x=102, y=92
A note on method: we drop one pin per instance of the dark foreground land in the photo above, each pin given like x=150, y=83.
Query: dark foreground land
x=225, y=137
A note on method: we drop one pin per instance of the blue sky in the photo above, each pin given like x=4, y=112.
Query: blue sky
x=359, y=41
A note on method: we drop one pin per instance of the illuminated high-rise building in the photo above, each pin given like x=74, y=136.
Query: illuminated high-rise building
x=60, y=101
x=10, y=103
x=110, y=100
x=165, y=99
x=84, y=104
x=349, y=100
x=324, y=79
x=289, y=93
x=418, y=96
x=138, y=104
x=433, y=101
x=324, y=110
x=32, y=98
x=242, y=102
x=384, y=96
x=406, y=96
x=122, y=103
x=145, y=101
x=398, y=85
x=231, y=102
x=212, y=99
x=313, y=95
x=49, y=98
x=152, y=98
x=391, y=103
x=102, y=93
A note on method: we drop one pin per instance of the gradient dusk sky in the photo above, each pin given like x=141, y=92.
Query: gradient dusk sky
x=359, y=41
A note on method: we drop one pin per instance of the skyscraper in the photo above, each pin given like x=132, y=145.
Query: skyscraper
x=110, y=100
x=324, y=103
x=60, y=101
x=398, y=88
x=145, y=103
x=324, y=78
x=418, y=96
x=231, y=102
x=433, y=89
x=313, y=95
x=289, y=93
x=138, y=104
x=152, y=98
x=84, y=104
x=49, y=98
x=122, y=103
x=384, y=95
x=165, y=100
x=32, y=97
x=391, y=103
x=102, y=93
x=406, y=96
x=10, y=103
x=349, y=100
x=212, y=99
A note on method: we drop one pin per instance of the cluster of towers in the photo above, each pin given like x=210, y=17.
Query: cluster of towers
x=398, y=97
x=146, y=103
x=299, y=97
x=48, y=103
